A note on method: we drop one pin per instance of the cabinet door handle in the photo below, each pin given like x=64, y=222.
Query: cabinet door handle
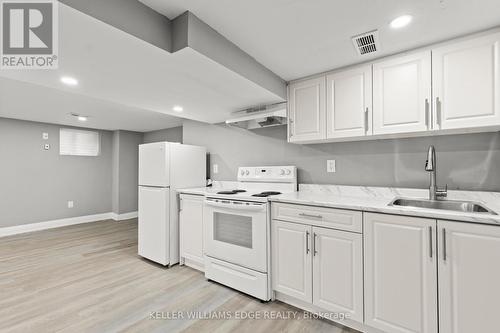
x=307, y=242
x=430, y=242
x=311, y=215
x=315, y=236
x=444, y=244
x=366, y=120
x=290, y=128
x=438, y=112
x=428, y=122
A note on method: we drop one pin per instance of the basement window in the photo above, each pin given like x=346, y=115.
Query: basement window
x=79, y=142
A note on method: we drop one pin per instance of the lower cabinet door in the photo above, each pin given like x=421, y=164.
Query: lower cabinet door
x=191, y=228
x=292, y=260
x=469, y=277
x=338, y=272
x=400, y=273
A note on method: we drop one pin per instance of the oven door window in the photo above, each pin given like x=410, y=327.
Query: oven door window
x=233, y=229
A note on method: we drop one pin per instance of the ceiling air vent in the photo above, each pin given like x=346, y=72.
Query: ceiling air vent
x=366, y=43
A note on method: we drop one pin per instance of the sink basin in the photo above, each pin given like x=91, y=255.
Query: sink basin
x=459, y=206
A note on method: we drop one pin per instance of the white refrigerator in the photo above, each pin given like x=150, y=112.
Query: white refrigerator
x=165, y=167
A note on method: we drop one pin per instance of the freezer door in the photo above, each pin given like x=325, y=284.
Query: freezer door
x=188, y=166
x=154, y=220
x=154, y=164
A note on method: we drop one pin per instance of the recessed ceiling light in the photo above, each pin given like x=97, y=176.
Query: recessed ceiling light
x=70, y=81
x=79, y=117
x=401, y=21
x=177, y=108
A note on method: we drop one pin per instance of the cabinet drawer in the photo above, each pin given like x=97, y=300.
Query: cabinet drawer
x=341, y=219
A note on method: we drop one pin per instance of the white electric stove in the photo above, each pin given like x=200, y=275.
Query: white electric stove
x=237, y=229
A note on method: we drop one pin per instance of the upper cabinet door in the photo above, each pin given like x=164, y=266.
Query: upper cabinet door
x=466, y=83
x=402, y=94
x=400, y=273
x=349, y=103
x=469, y=275
x=307, y=110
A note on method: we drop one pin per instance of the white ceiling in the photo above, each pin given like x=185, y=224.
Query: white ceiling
x=115, y=70
x=26, y=101
x=296, y=38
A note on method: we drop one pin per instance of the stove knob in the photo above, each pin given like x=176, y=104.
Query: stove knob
x=282, y=172
x=242, y=172
x=247, y=172
x=288, y=171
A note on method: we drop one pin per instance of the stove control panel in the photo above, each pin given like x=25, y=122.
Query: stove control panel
x=281, y=174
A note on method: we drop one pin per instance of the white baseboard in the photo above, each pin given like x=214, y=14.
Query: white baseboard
x=23, y=228
x=20, y=229
x=124, y=216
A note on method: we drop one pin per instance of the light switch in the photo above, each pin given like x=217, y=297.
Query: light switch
x=70, y=204
x=45, y=136
x=216, y=168
x=331, y=166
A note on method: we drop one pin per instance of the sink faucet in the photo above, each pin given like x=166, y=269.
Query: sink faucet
x=435, y=193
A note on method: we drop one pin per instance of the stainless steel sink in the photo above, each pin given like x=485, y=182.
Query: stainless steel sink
x=459, y=206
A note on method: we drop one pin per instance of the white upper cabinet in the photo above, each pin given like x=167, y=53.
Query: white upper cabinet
x=307, y=111
x=402, y=94
x=349, y=103
x=466, y=83
x=400, y=273
x=454, y=86
x=469, y=275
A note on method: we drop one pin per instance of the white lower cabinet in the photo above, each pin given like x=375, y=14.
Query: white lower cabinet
x=400, y=273
x=469, y=277
x=409, y=265
x=338, y=272
x=320, y=266
x=291, y=259
x=191, y=230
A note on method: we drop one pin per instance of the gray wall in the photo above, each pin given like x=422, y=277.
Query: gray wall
x=125, y=170
x=36, y=184
x=173, y=134
x=469, y=161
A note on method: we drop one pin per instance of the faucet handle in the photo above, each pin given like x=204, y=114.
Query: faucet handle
x=442, y=192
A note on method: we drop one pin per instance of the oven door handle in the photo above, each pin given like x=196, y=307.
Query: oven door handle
x=242, y=207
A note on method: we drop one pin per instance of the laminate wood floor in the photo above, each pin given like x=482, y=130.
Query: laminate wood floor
x=88, y=278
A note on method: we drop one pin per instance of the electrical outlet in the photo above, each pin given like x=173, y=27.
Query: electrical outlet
x=45, y=136
x=216, y=168
x=46, y=146
x=70, y=204
x=331, y=166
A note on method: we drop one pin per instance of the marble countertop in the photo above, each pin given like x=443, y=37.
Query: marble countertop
x=376, y=199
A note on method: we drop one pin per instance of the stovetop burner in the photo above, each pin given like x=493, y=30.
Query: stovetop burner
x=231, y=192
x=265, y=194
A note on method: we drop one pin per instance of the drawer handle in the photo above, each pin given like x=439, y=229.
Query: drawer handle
x=311, y=215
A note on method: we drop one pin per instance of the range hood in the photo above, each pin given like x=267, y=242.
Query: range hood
x=260, y=117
